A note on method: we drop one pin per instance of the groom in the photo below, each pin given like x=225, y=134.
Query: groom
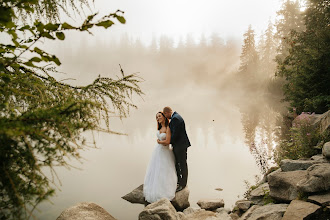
x=180, y=143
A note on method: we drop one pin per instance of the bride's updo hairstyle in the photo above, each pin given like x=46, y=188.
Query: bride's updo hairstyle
x=166, y=121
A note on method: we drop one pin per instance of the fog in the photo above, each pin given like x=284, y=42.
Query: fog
x=190, y=63
x=230, y=123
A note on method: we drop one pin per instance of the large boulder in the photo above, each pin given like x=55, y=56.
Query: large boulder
x=283, y=185
x=181, y=199
x=210, y=204
x=223, y=215
x=298, y=210
x=322, y=122
x=292, y=165
x=320, y=158
x=136, y=196
x=202, y=214
x=321, y=199
x=267, y=212
x=249, y=212
x=326, y=150
x=190, y=210
x=257, y=195
x=318, y=179
x=180, y=202
x=162, y=209
x=85, y=211
x=243, y=205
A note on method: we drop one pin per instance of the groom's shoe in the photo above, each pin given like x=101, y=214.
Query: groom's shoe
x=179, y=188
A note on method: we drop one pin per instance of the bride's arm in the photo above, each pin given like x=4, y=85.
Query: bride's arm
x=167, y=140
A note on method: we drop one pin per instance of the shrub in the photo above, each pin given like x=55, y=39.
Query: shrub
x=301, y=141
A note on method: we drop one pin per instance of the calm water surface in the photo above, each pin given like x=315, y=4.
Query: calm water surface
x=218, y=156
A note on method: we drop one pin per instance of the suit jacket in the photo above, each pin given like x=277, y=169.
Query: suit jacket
x=179, y=137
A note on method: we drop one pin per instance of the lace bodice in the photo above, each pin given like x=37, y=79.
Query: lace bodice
x=161, y=136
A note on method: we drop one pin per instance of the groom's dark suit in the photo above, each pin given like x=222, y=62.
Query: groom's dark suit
x=180, y=143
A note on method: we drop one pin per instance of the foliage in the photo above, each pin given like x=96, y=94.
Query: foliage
x=290, y=19
x=267, y=199
x=50, y=10
x=249, y=187
x=303, y=196
x=249, y=56
x=303, y=138
x=42, y=118
x=267, y=52
x=307, y=66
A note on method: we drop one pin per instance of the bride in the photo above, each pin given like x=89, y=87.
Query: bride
x=161, y=179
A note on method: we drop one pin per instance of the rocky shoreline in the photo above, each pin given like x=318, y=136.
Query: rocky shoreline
x=298, y=189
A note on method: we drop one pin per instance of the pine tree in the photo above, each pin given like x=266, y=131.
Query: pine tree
x=153, y=48
x=267, y=52
x=41, y=118
x=249, y=55
x=307, y=67
x=216, y=41
x=165, y=44
x=290, y=19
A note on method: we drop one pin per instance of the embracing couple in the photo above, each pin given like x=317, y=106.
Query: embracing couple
x=167, y=171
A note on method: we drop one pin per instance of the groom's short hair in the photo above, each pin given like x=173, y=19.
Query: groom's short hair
x=167, y=109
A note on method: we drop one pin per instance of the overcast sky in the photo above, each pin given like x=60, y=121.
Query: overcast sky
x=177, y=18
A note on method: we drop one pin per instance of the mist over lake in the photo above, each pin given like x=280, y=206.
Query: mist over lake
x=196, y=81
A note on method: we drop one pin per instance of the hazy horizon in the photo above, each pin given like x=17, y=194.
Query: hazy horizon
x=230, y=121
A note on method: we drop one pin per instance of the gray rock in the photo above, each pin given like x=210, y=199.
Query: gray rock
x=162, y=209
x=243, y=205
x=181, y=216
x=276, y=171
x=326, y=150
x=237, y=211
x=298, y=210
x=292, y=165
x=202, y=214
x=136, y=196
x=223, y=215
x=322, y=199
x=283, y=185
x=190, y=210
x=249, y=212
x=234, y=216
x=181, y=199
x=267, y=212
x=219, y=210
x=85, y=210
x=322, y=122
x=319, y=158
x=257, y=195
x=318, y=179
x=210, y=204
x=180, y=202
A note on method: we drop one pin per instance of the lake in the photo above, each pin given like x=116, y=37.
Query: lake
x=217, y=122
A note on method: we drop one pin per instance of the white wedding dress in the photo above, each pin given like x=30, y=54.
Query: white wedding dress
x=161, y=179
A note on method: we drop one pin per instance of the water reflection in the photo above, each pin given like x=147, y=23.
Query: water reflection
x=259, y=125
x=218, y=129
